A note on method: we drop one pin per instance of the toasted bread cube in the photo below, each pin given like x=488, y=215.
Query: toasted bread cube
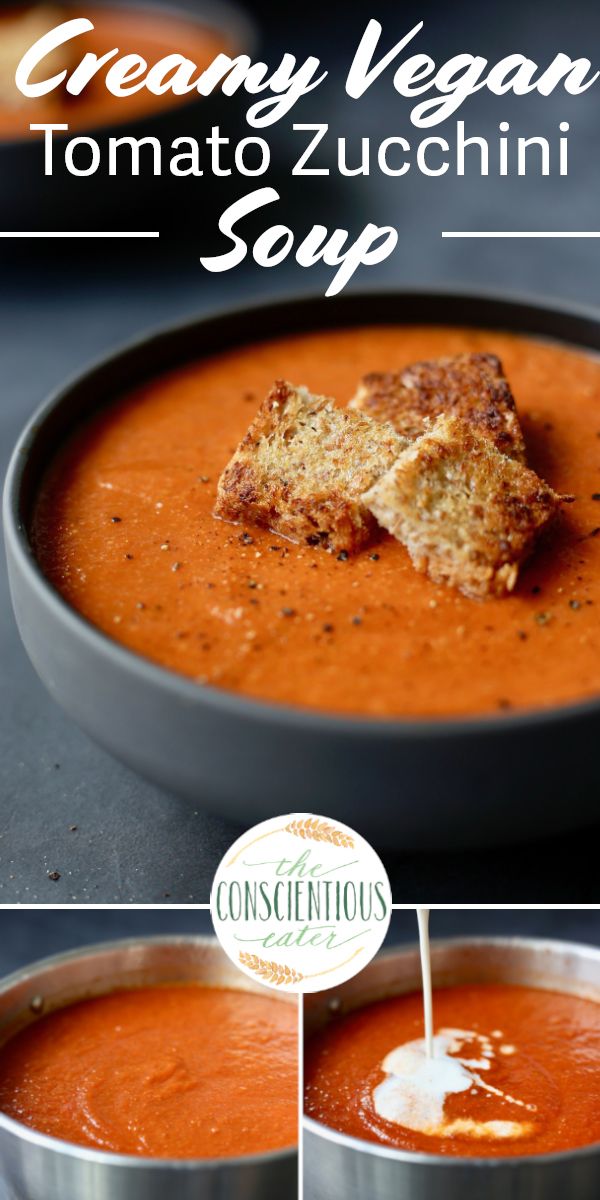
x=467, y=514
x=471, y=386
x=302, y=468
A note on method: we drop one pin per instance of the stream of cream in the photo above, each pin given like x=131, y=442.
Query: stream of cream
x=420, y=1075
x=423, y=922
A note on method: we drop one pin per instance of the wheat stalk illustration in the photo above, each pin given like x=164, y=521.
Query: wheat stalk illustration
x=271, y=972
x=320, y=831
x=279, y=973
x=310, y=828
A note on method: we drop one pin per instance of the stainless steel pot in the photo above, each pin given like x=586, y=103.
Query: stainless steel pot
x=338, y=1167
x=36, y=1167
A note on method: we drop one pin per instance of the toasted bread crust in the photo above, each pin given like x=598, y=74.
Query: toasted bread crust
x=471, y=386
x=302, y=468
x=468, y=515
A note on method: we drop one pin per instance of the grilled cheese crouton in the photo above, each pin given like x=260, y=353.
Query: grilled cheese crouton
x=302, y=468
x=471, y=386
x=467, y=514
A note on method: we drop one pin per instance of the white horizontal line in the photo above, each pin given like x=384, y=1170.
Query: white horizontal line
x=97, y=234
x=514, y=234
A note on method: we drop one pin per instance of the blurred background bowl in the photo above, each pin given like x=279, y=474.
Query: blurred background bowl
x=31, y=200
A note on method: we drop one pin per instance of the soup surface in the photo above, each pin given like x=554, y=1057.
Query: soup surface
x=151, y=35
x=540, y=1091
x=169, y=1072
x=124, y=529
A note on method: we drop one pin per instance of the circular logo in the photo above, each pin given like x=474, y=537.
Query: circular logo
x=301, y=903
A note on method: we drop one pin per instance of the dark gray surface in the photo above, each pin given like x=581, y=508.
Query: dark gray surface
x=133, y=843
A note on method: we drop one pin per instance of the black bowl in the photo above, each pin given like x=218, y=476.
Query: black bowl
x=410, y=784
x=30, y=200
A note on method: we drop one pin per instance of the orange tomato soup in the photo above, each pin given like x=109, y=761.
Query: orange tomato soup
x=165, y=1072
x=124, y=530
x=150, y=34
x=551, y=1068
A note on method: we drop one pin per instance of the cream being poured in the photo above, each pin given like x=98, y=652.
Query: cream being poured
x=423, y=923
x=420, y=1075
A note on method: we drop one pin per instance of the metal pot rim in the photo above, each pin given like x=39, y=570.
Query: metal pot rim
x=379, y=1150
x=105, y=1157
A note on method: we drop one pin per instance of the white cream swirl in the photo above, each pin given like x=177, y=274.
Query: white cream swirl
x=417, y=1085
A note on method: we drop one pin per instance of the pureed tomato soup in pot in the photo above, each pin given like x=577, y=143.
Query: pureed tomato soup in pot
x=502, y=1070
x=174, y=1071
x=518, y=1072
